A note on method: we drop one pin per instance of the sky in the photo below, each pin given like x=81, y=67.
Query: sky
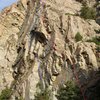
x=5, y=3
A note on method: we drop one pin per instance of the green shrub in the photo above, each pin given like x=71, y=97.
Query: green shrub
x=5, y=94
x=96, y=40
x=21, y=98
x=78, y=37
x=69, y=91
x=88, y=13
x=43, y=95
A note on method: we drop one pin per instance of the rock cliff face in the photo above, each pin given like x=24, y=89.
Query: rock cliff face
x=11, y=19
x=38, y=44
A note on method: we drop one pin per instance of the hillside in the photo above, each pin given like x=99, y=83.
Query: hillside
x=49, y=42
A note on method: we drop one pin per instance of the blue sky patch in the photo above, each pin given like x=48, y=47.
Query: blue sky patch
x=5, y=3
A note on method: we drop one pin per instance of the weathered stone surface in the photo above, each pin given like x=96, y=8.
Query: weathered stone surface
x=53, y=56
x=11, y=19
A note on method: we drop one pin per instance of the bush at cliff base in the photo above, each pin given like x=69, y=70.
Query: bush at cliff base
x=5, y=94
x=69, y=91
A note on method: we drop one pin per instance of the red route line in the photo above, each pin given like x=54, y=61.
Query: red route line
x=76, y=75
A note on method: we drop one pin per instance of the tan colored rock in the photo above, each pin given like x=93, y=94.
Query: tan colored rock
x=24, y=2
x=10, y=22
x=51, y=63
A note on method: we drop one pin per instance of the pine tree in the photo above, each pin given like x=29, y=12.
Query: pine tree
x=69, y=91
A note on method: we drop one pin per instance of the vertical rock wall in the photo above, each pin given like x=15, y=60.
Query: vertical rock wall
x=46, y=48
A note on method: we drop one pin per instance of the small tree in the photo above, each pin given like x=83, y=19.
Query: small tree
x=96, y=40
x=87, y=12
x=78, y=37
x=69, y=91
x=6, y=94
x=42, y=94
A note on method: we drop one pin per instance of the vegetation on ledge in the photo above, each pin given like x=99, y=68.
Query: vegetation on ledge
x=78, y=37
x=69, y=91
x=88, y=12
x=96, y=40
x=5, y=94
